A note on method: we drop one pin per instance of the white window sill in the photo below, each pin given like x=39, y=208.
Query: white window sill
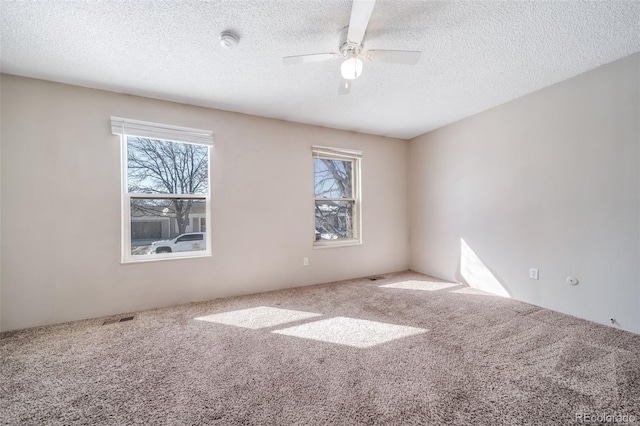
x=161, y=258
x=335, y=244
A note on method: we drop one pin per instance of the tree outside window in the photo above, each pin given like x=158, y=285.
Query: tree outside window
x=162, y=167
x=336, y=199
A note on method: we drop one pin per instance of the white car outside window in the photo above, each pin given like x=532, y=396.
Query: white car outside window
x=192, y=241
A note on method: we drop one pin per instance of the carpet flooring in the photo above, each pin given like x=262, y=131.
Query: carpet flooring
x=403, y=350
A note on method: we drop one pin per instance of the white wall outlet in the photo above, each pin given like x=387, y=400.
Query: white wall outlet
x=533, y=273
x=305, y=261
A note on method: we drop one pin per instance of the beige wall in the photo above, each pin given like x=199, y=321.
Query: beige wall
x=550, y=181
x=60, y=198
x=1, y=206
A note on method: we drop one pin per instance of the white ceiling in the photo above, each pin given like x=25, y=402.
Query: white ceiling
x=475, y=54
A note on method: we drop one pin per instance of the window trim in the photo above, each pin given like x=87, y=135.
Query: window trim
x=356, y=184
x=166, y=132
x=125, y=128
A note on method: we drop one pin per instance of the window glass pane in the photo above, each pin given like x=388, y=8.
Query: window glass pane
x=163, y=225
x=333, y=178
x=191, y=237
x=155, y=166
x=334, y=220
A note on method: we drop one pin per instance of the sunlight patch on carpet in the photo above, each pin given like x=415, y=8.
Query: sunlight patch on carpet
x=472, y=291
x=351, y=332
x=420, y=285
x=259, y=317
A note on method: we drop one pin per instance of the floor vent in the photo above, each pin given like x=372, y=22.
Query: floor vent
x=375, y=278
x=115, y=320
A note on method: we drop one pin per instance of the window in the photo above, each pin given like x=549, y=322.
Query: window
x=336, y=196
x=165, y=188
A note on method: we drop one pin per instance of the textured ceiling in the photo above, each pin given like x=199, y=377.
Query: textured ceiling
x=475, y=54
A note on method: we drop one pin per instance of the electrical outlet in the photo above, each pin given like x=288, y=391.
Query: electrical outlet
x=533, y=273
x=305, y=261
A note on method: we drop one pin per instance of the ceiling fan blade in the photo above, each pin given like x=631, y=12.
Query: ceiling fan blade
x=303, y=59
x=394, y=56
x=360, y=14
x=345, y=87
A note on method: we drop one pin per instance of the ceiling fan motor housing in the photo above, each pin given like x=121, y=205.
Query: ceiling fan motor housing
x=348, y=49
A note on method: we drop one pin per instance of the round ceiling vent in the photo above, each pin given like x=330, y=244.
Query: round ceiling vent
x=228, y=40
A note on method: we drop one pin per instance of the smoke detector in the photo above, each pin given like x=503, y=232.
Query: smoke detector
x=228, y=40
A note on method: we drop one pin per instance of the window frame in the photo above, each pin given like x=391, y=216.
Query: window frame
x=126, y=128
x=355, y=157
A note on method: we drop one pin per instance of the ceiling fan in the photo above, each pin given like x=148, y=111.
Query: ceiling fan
x=351, y=48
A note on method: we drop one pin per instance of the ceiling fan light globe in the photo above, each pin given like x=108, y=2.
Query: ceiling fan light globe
x=351, y=68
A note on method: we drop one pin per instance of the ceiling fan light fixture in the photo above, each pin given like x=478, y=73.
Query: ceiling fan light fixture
x=351, y=68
